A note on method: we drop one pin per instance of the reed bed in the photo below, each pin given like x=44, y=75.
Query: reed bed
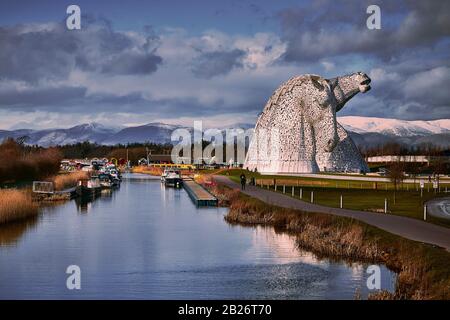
x=154, y=171
x=16, y=205
x=69, y=180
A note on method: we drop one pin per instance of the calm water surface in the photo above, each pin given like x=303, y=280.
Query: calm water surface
x=145, y=241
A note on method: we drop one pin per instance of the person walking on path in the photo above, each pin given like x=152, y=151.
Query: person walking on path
x=243, y=181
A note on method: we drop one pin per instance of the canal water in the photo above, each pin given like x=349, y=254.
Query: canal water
x=147, y=242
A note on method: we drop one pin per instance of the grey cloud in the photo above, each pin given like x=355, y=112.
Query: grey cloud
x=132, y=63
x=34, y=53
x=51, y=98
x=210, y=64
x=330, y=28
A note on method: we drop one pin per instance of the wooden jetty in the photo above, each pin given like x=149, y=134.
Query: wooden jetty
x=44, y=191
x=199, y=195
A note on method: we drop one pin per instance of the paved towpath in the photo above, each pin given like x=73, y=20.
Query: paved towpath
x=406, y=227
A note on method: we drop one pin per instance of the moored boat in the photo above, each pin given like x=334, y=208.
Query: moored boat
x=88, y=187
x=173, y=179
x=108, y=181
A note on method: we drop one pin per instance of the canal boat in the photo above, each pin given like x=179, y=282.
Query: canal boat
x=173, y=179
x=88, y=187
x=107, y=181
x=164, y=174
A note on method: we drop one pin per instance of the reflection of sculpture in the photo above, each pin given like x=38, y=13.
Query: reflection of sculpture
x=298, y=132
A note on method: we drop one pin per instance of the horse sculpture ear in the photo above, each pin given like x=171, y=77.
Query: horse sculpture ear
x=333, y=82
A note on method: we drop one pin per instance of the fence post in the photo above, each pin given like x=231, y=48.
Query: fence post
x=341, y=202
x=385, y=205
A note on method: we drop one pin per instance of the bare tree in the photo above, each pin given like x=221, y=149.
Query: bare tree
x=396, y=175
x=439, y=167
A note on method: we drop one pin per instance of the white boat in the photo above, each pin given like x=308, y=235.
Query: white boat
x=172, y=178
x=164, y=174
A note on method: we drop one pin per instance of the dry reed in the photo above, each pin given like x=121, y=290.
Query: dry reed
x=16, y=205
x=69, y=180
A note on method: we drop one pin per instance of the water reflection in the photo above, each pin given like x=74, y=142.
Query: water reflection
x=146, y=241
x=11, y=233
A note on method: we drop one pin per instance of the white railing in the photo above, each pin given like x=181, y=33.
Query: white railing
x=43, y=187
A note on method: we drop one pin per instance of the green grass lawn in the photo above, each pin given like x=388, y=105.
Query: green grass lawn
x=356, y=195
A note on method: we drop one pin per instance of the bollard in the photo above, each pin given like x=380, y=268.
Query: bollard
x=425, y=212
x=312, y=196
x=293, y=191
x=421, y=192
x=301, y=193
x=275, y=187
x=385, y=205
x=284, y=189
x=341, y=202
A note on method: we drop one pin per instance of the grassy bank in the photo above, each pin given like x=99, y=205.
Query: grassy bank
x=356, y=195
x=321, y=181
x=16, y=205
x=423, y=271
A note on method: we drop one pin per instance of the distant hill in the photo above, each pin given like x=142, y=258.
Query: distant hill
x=365, y=131
x=394, y=127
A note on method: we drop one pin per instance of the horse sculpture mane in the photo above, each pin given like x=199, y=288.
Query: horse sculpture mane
x=297, y=131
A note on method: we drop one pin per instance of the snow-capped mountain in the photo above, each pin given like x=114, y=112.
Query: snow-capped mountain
x=365, y=131
x=152, y=132
x=92, y=132
x=394, y=127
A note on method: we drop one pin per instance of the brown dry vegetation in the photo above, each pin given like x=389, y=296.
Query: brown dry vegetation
x=154, y=171
x=422, y=269
x=18, y=163
x=69, y=180
x=16, y=205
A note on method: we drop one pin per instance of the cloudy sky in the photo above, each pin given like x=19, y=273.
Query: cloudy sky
x=135, y=62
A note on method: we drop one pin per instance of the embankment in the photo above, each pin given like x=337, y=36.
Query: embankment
x=422, y=269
